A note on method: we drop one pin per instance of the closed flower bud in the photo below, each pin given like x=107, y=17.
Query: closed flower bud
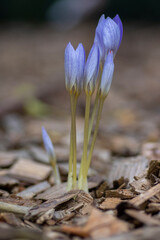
x=80, y=52
x=111, y=36
x=48, y=143
x=70, y=65
x=108, y=35
x=107, y=75
x=91, y=69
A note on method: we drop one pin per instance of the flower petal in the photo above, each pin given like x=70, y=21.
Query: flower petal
x=92, y=68
x=70, y=65
x=117, y=20
x=99, y=37
x=107, y=75
x=47, y=142
x=80, y=67
x=111, y=35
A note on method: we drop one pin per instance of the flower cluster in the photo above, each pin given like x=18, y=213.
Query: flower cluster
x=82, y=74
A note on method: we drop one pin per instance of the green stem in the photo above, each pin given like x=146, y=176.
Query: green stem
x=85, y=144
x=95, y=134
x=53, y=163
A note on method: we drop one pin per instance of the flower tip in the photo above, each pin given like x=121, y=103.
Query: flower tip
x=47, y=142
x=80, y=59
x=70, y=66
x=118, y=21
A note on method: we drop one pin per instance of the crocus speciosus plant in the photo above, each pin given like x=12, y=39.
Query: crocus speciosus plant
x=93, y=74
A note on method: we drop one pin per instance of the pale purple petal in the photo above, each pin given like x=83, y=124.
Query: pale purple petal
x=80, y=67
x=111, y=36
x=47, y=142
x=119, y=23
x=92, y=68
x=107, y=75
x=99, y=36
x=70, y=65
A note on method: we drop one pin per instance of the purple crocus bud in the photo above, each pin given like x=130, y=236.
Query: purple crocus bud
x=108, y=35
x=111, y=36
x=70, y=65
x=91, y=69
x=107, y=75
x=47, y=143
x=80, y=67
x=117, y=20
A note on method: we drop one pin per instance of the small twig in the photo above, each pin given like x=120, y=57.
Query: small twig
x=7, y=207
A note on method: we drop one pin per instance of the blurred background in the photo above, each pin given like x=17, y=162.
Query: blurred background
x=33, y=36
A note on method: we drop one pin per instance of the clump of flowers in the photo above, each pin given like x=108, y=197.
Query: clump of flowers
x=82, y=75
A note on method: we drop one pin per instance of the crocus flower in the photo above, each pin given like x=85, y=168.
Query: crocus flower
x=74, y=67
x=70, y=65
x=80, y=52
x=91, y=69
x=107, y=75
x=47, y=143
x=108, y=35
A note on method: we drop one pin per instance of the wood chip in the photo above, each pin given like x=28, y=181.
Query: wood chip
x=153, y=207
x=6, y=159
x=120, y=193
x=3, y=193
x=142, y=217
x=145, y=233
x=8, y=232
x=11, y=219
x=101, y=189
x=110, y=203
x=140, y=185
x=99, y=225
x=58, y=190
x=20, y=201
x=8, y=182
x=140, y=199
x=126, y=168
x=38, y=210
x=30, y=192
x=151, y=150
x=53, y=192
x=154, y=171
x=39, y=154
x=29, y=171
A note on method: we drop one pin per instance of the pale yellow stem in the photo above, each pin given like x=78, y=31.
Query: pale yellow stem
x=93, y=115
x=85, y=144
x=74, y=103
x=70, y=173
x=53, y=163
x=95, y=134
